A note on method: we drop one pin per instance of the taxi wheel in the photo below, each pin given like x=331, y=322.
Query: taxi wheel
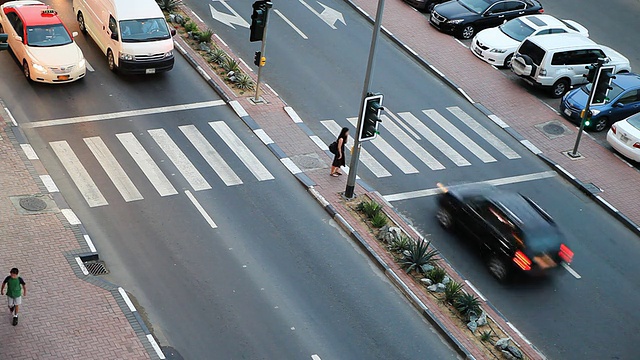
x=81, y=24
x=111, y=60
x=25, y=70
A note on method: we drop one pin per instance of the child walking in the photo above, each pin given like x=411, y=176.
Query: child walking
x=13, y=282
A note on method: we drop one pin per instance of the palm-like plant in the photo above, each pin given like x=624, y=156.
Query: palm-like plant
x=244, y=82
x=437, y=275
x=400, y=244
x=168, y=5
x=419, y=256
x=452, y=291
x=218, y=56
x=467, y=305
x=231, y=65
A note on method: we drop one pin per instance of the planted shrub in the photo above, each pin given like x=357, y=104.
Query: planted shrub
x=218, y=56
x=205, y=36
x=371, y=208
x=231, y=65
x=400, y=244
x=190, y=26
x=436, y=275
x=452, y=291
x=168, y=5
x=244, y=82
x=467, y=304
x=379, y=220
x=486, y=335
x=418, y=257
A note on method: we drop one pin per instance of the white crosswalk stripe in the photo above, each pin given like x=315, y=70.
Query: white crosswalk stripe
x=391, y=153
x=146, y=164
x=78, y=174
x=114, y=171
x=369, y=161
x=411, y=144
x=211, y=156
x=179, y=159
x=434, y=139
x=483, y=132
x=459, y=136
x=241, y=150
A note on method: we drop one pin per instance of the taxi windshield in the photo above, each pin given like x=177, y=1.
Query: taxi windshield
x=48, y=35
x=144, y=30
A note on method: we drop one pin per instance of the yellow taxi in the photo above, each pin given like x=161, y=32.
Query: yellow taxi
x=41, y=43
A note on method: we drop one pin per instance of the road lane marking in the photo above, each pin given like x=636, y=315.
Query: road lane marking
x=241, y=150
x=388, y=151
x=71, y=217
x=146, y=164
x=483, y=132
x=29, y=152
x=82, y=267
x=571, y=271
x=201, y=210
x=123, y=114
x=291, y=24
x=365, y=157
x=87, y=239
x=463, y=139
x=434, y=139
x=179, y=159
x=49, y=183
x=156, y=347
x=78, y=174
x=411, y=144
x=494, y=182
x=400, y=122
x=315, y=357
x=114, y=171
x=89, y=67
x=126, y=299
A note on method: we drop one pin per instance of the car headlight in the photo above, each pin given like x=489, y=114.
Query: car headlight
x=40, y=68
x=168, y=54
x=498, y=51
x=455, y=21
x=594, y=112
x=82, y=63
x=124, y=56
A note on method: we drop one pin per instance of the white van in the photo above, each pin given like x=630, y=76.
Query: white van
x=133, y=34
x=559, y=61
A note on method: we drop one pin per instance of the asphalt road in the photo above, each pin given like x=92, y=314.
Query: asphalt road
x=260, y=272
x=321, y=77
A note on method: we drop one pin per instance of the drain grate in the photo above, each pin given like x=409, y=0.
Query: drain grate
x=96, y=267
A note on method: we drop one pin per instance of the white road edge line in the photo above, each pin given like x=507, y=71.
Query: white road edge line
x=571, y=271
x=534, y=149
x=126, y=299
x=87, y=239
x=245, y=64
x=262, y=135
x=476, y=290
x=155, y=346
x=293, y=114
x=271, y=89
x=519, y=333
x=466, y=96
x=291, y=24
x=82, y=267
x=222, y=41
x=289, y=164
x=89, y=67
x=498, y=121
x=315, y=357
x=70, y=216
x=28, y=150
x=13, y=120
x=197, y=17
x=240, y=111
x=461, y=43
x=204, y=214
x=319, y=142
x=49, y=184
x=606, y=203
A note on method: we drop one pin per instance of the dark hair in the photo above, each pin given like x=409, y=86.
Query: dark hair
x=14, y=271
x=343, y=133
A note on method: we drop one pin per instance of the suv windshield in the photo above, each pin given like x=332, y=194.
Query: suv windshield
x=613, y=93
x=516, y=29
x=533, y=51
x=48, y=35
x=477, y=6
x=142, y=30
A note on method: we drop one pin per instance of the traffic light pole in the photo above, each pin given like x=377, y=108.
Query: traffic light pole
x=262, y=54
x=586, y=112
x=353, y=166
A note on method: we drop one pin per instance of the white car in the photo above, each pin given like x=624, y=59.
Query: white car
x=624, y=137
x=41, y=43
x=497, y=45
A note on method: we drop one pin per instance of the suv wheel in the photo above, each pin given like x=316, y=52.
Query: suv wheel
x=507, y=61
x=560, y=88
x=467, y=32
x=498, y=268
x=601, y=124
x=444, y=218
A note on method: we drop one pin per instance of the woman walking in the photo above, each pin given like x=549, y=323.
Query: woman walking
x=338, y=158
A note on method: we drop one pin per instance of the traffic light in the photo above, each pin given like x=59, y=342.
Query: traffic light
x=592, y=72
x=371, y=116
x=259, y=19
x=257, y=57
x=602, y=85
x=3, y=42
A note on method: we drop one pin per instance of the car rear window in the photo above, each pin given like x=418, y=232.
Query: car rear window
x=634, y=121
x=533, y=51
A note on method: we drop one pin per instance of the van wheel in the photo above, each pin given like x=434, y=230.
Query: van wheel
x=601, y=124
x=25, y=70
x=498, y=269
x=560, y=88
x=111, y=61
x=81, y=24
x=467, y=32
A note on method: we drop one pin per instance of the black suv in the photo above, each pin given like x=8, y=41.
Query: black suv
x=513, y=231
x=464, y=18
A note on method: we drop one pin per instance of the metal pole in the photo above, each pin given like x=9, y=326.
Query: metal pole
x=262, y=53
x=585, y=114
x=353, y=166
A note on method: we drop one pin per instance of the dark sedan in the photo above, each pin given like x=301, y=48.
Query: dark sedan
x=422, y=5
x=511, y=231
x=464, y=18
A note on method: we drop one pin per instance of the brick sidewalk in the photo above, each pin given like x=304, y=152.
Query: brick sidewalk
x=62, y=316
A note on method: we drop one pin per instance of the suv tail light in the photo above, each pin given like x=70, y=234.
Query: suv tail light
x=543, y=72
x=522, y=260
x=613, y=128
x=565, y=254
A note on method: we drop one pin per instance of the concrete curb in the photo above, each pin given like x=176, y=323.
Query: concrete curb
x=579, y=184
x=87, y=250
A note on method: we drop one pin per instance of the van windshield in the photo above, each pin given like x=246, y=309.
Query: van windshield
x=142, y=30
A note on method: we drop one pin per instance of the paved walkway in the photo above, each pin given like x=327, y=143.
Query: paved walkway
x=62, y=316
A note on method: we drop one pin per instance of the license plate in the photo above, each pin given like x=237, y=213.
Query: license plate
x=478, y=51
x=435, y=21
x=150, y=71
x=624, y=138
x=63, y=77
x=567, y=112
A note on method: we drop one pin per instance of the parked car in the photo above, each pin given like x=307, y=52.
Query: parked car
x=558, y=62
x=497, y=45
x=422, y=5
x=624, y=137
x=41, y=42
x=623, y=100
x=464, y=18
x=513, y=233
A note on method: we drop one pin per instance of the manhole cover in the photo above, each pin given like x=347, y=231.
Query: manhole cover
x=308, y=162
x=553, y=129
x=96, y=267
x=32, y=204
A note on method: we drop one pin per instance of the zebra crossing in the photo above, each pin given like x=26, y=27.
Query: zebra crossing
x=416, y=133
x=146, y=158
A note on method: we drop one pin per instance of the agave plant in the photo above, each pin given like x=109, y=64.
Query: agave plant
x=168, y=5
x=244, y=82
x=467, y=304
x=371, y=208
x=400, y=244
x=231, y=65
x=190, y=26
x=379, y=220
x=486, y=335
x=205, y=36
x=452, y=291
x=436, y=275
x=218, y=56
x=419, y=257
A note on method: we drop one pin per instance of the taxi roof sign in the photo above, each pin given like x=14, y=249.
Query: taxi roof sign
x=49, y=12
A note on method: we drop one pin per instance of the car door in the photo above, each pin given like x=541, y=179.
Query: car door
x=493, y=16
x=16, y=38
x=476, y=213
x=500, y=229
x=627, y=104
x=513, y=9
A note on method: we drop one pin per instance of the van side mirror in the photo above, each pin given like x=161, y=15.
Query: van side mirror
x=173, y=32
x=74, y=34
x=17, y=38
x=114, y=36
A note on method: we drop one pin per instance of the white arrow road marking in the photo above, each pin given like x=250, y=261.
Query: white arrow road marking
x=328, y=15
x=228, y=19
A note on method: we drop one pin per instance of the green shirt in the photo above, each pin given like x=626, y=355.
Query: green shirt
x=13, y=286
